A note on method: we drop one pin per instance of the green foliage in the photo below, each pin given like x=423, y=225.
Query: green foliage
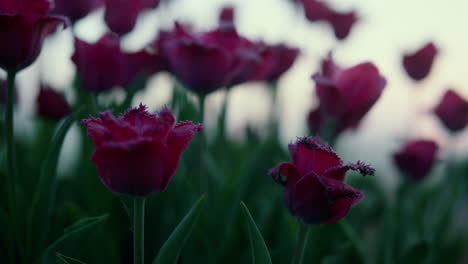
x=258, y=248
x=171, y=249
x=417, y=223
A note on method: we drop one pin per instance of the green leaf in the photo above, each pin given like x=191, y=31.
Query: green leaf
x=170, y=251
x=418, y=252
x=259, y=250
x=333, y=260
x=44, y=196
x=74, y=229
x=67, y=260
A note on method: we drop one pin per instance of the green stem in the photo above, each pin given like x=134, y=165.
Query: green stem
x=223, y=116
x=275, y=111
x=203, y=179
x=302, y=235
x=139, y=230
x=10, y=149
x=356, y=242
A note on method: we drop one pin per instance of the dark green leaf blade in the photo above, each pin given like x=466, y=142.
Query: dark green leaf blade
x=74, y=229
x=44, y=195
x=169, y=252
x=67, y=260
x=260, y=254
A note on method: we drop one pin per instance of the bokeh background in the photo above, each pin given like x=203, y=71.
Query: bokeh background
x=387, y=29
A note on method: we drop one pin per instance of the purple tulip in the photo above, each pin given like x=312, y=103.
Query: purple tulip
x=315, y=190
x=345, y=95
x=24, y=24
x=418, y=65
x=51, y=104
x=103, y=65
x=416, y=159
x=76, y=9
x=138, y=153
x=452, y=111
x=121, y=15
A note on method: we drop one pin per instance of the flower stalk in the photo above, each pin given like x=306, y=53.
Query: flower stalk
x=353, y=237
x=139, y=230
x=301, y=243
x=10, y=145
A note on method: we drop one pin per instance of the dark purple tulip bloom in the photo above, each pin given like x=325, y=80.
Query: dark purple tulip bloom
x=138, y=152
x=452, y=111
x=226, y=16
x=203, y=62
x=24, y=24
x=76, y=9
x=103, y=65
x=315, y=190
x=121, y=15
x=419, y=64
x=51, y=104
x=259, y=62
x=283, y=58
x=32, y=9
x=345, y=95
x=249, y=55
x=316, y=10
x=416, y=159
x=342, y=23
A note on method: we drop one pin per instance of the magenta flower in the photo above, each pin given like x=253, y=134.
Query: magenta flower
x=342, y=23
x=103, y=65
x=419, y=64
x=24, y=24
x=51, y=104
x=226, y=16
x=121, y=15
x=345, y=95
x=452, y=111
x=203, y=62
x=138, y=152
x=316, y=10
x=315, y=190
x=283, y=59
x=76, y=9
x=416, y=159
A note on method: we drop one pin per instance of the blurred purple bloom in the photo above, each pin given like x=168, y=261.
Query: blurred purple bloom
x=24, y=24
x=345, y=95
x=103, y=65
x=51, y=104
x=76, y=9
x=418, y=65
x=416, y=159
x=452, y=111
x=121, y=15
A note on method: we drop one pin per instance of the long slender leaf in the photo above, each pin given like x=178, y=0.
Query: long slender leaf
x=74, y=229
x=260, y=254
x=170, y=251
x=68, y=260
x=42, y=204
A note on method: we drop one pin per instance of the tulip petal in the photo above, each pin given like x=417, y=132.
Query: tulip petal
x=309, y=154
x=138, y=168
x=418, y=65
x=286, y=169
x=452, y=111
x=320, y=200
